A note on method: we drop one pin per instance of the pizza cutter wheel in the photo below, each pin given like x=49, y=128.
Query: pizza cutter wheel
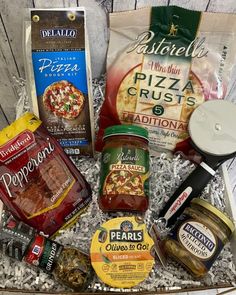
x=212, y=131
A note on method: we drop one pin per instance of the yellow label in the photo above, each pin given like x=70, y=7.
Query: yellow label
x=26, y=122
x=121, y=252
x=70, y=182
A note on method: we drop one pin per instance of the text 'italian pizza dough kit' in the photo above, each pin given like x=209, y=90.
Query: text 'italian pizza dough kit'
x=60, y=76
x=131, y=218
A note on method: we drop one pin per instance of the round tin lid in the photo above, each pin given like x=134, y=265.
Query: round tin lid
x=121, y=252
x=212, y=127
x=131, y=130
x=216, y=212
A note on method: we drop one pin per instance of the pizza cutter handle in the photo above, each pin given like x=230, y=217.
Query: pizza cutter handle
x=189, y=189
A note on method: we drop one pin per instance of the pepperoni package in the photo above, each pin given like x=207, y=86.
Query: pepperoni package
x=38, y=182
x=162, y=63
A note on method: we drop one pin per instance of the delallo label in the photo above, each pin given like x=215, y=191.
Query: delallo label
x=43, y=253
x=198, y=239
x=125, y=171
x=62, y=82
x=121, y=252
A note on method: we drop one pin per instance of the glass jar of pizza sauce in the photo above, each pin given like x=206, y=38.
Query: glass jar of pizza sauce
x=198, y=237
x=124, y=181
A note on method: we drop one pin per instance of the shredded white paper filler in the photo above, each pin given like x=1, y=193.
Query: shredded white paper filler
x=166, y=175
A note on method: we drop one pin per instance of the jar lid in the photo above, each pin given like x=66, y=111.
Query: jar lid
x=131, y=130
x=215, y=211
x=122, y=252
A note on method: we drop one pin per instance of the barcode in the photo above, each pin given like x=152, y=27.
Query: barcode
x=36, y=250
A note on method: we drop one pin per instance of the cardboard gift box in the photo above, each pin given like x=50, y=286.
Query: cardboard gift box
x=11, y=59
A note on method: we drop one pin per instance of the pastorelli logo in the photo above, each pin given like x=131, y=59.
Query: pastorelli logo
x=16, y=145
x=126, y=233
x=144, y=44
x=58, y=32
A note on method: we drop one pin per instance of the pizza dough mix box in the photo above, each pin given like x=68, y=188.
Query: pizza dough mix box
x=58, y=68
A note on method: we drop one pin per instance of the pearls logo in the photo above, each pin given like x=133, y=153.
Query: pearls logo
x=16, y=145
x=126, y=233
x=58, y=32
x=126, y=226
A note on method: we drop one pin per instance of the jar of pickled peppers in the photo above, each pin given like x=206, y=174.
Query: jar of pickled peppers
x=198, y=237
x=124, y=181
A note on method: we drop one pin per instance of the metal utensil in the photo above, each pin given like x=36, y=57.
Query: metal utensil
x=212, y=128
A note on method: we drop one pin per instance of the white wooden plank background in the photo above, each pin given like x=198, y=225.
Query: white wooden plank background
x=192, y=4
x=12, y=14
x=120, y=5
x=143, y=3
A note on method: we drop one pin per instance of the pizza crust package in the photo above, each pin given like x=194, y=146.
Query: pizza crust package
x=38, y=182
x=58, y=67
x=162, y=63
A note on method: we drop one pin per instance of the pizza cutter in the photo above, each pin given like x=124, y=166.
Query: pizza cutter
x=212, y=131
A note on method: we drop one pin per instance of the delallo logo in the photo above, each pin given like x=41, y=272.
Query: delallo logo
x=58, y=32
x=16, y=145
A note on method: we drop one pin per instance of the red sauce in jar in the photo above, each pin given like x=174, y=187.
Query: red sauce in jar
x=124, y=183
